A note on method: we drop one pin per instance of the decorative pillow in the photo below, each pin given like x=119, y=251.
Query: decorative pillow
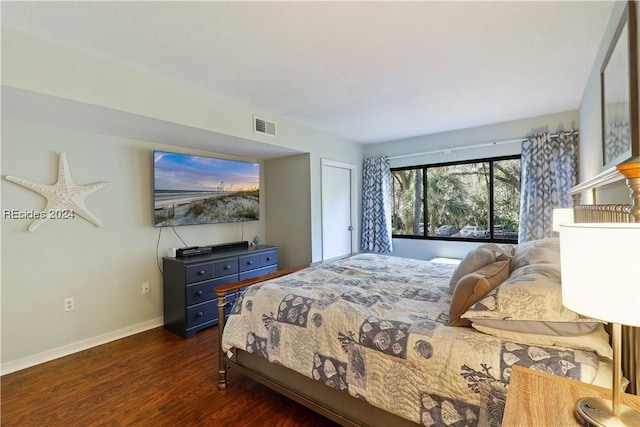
x=596, y=340
x=543, y=251
x=530, y=300
x=474, y=286
x=473, y=261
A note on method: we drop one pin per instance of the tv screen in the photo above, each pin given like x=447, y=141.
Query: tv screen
x=204, y=190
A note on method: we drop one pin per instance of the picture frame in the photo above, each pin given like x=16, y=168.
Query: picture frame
x=619, y=93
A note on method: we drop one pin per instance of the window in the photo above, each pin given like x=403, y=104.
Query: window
x=478, y=199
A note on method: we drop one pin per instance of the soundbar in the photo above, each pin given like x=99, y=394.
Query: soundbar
x=229, y=246
x=206, y=250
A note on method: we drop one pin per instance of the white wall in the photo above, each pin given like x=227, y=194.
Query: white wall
x=103, y=268
x=289, y=204
x=427, y=249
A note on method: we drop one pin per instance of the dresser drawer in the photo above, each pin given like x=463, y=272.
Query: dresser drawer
x=199, y=272
x=201, y=313
x=226, y=267
x=268, y=258
x=258, y=272
x=249, y=262
x=201, y=292
x=205, y=291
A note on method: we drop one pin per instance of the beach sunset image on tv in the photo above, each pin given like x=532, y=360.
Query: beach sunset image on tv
x=192, y=189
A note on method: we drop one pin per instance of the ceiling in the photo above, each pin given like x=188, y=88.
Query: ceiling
x=365, y=71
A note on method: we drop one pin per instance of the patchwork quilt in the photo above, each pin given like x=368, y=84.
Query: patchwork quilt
x=374, y=326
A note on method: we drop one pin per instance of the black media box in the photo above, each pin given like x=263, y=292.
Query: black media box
x=193, y=251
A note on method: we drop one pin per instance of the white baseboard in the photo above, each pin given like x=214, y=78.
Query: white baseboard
x=36, y=359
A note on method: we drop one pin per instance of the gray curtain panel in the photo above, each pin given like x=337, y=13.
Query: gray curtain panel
x=549, y=170
x=376, y=205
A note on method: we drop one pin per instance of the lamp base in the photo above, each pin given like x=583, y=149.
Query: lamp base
x=595, y=412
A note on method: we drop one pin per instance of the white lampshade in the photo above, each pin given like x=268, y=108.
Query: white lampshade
x=562, y=216
x=601, y=271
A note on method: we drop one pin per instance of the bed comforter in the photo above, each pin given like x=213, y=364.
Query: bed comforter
x=374, y=326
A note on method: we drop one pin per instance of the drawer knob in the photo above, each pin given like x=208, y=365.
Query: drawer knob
x=199, y=293
x=201, y=273
x=227, y=267
x=199, y=314
x=249, y=262
x=268, y=258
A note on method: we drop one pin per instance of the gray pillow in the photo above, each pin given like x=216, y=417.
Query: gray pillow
x=504, y=251
x=530, y=300
x=543, y=251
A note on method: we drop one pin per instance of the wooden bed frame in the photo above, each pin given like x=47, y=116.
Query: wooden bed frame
x=349, y=411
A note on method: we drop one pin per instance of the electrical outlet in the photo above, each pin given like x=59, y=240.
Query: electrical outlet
x=145, y=288
x=69, y=304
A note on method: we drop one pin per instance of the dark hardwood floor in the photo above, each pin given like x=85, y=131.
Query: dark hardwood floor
x=154, y=378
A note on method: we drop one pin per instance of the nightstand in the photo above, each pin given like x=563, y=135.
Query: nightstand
x=537, y=399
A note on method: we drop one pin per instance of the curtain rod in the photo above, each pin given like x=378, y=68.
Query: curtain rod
x=466, y=147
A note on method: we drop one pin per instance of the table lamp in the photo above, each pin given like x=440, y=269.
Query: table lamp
x=600, y=265
x=562, y=216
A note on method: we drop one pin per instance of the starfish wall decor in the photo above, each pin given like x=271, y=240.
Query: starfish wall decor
x=65, y=198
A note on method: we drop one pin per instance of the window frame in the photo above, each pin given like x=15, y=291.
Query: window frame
x=425, y=167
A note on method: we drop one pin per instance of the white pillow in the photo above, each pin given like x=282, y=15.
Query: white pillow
x=597, y=340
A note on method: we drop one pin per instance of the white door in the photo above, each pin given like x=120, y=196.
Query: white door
x=337, y=209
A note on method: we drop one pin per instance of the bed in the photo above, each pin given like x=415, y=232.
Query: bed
x=381, y=340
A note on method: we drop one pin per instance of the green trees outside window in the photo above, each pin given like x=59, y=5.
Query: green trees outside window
x=478, y=199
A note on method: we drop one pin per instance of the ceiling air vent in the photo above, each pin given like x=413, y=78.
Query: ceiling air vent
x=266, y=127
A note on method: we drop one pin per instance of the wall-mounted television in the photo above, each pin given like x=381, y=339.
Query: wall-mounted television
x=192, y=189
